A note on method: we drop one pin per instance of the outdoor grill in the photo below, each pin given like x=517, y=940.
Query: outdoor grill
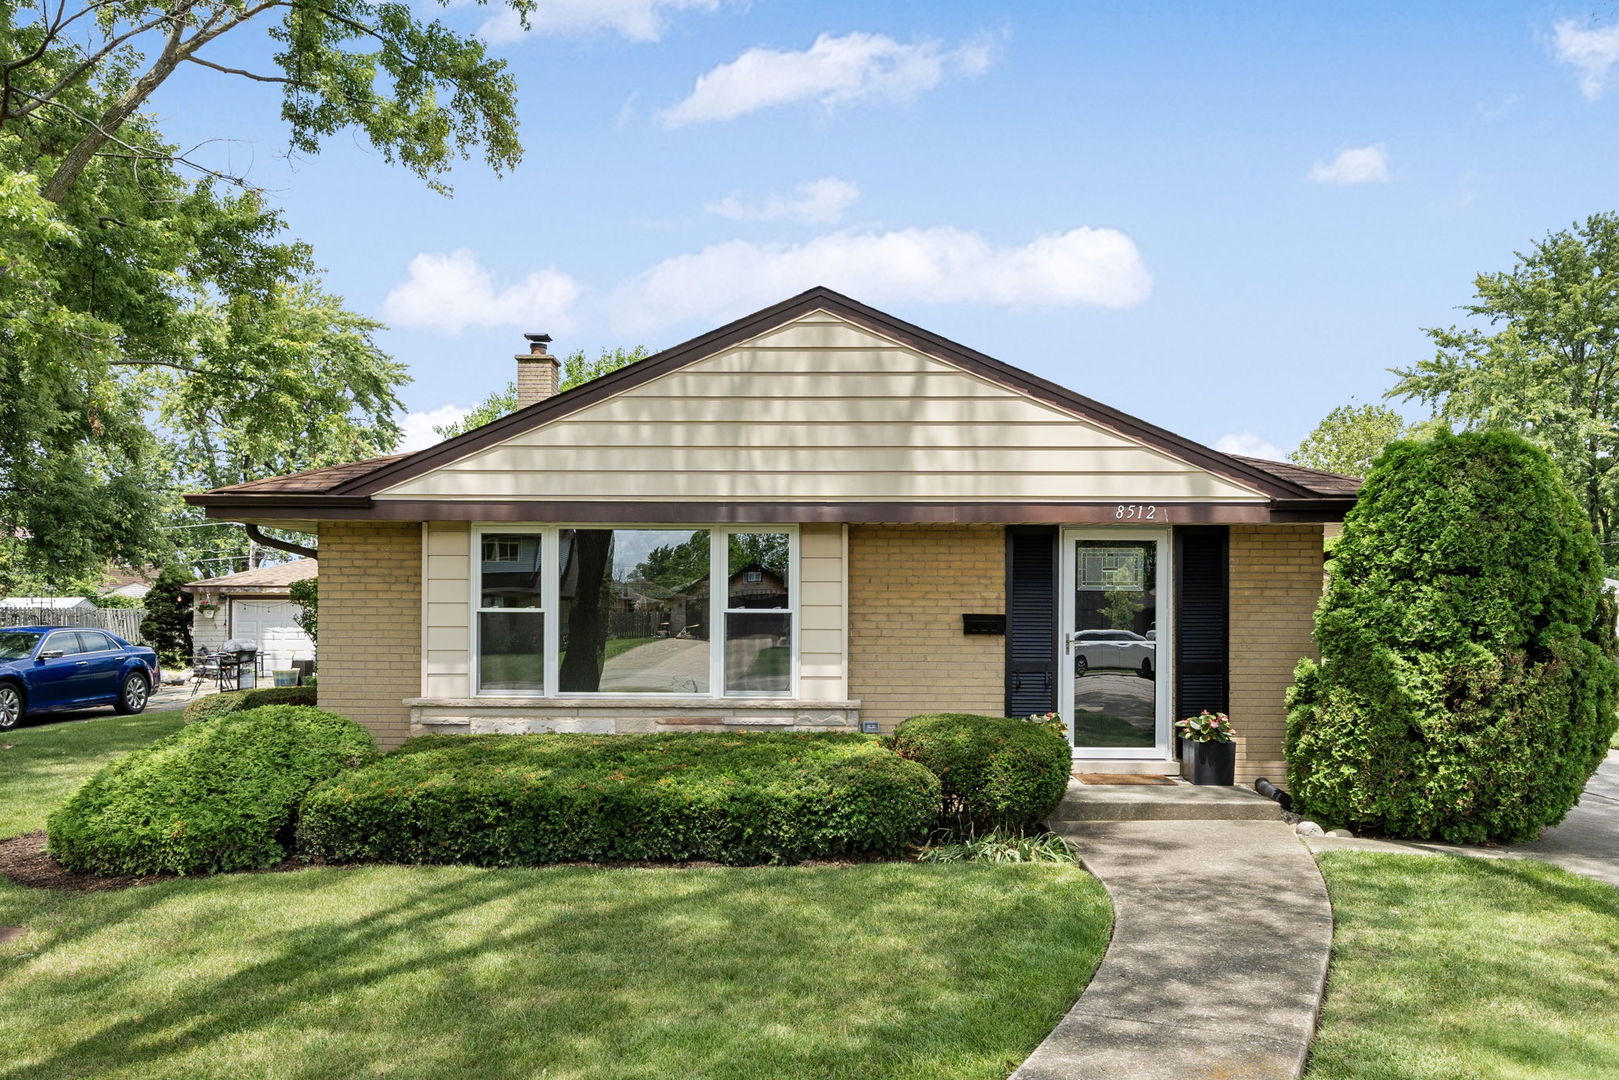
x=239, y=664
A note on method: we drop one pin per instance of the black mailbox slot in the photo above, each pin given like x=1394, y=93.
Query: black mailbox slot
x=983, y=624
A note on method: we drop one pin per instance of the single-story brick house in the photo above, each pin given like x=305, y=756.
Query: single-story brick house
x=951, y=533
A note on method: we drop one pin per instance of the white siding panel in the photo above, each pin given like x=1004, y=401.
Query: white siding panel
x=822, y=667
x=832, y=334
x=448, y=611
x=818, y=410
x=763, y=486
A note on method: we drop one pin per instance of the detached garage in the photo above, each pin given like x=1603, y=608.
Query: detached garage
x=254, y=605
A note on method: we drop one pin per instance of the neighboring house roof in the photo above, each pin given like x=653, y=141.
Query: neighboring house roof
x=346, y=491
x=134, y=589
x=1328, y=484
x=266, y=579
x=61, y=603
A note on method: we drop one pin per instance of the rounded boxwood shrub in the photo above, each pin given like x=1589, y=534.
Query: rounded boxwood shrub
x=1467, y=682
x=205, y=708
x=995, y=772
x=211, y=797
x=526, y=800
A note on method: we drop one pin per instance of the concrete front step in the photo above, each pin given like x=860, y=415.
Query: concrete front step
x=1135, y=766
x=1167, y=802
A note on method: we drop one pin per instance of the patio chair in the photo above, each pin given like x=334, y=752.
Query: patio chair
x=204, y=666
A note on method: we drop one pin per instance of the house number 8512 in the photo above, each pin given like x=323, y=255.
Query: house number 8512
x=1135, y=512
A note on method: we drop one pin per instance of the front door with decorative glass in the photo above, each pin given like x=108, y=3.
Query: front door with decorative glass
x=1115, y=661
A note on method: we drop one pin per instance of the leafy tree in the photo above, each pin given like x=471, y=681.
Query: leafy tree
x=420, y=94
x=577, y=369
x=489, y=410
x=1349, y=439
x=1467, y=682
x=1547, y=367
x=306, y=598
x=676, y=566
x=141, y=296
x=167, y=624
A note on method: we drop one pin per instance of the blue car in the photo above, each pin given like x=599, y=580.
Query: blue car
x=52, y=668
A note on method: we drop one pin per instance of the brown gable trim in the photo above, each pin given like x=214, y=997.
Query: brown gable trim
x=708, y=513
x=869, y=318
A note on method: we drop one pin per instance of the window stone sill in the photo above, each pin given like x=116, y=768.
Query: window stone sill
x=622, y=715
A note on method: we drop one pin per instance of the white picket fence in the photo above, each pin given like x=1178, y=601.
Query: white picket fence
x=125, y=622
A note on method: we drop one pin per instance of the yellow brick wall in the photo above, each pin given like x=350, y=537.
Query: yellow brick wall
x=370, y=645
x=908, y=588
x=1275, y=585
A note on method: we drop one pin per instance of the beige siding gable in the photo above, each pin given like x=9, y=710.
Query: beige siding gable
x=820, y=410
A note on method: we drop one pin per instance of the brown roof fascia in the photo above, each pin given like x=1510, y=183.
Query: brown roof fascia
x=315, y=508
x=761, y=322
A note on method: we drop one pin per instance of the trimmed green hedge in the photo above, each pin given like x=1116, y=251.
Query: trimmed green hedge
x=995, y=772
x=526, y=800
x=206, y=708
x=211, y=797
x=1466, y=688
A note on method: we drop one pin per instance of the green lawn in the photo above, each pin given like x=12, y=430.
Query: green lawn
x=47, y=760
x=873, y=971
x=881, y=970
x=1478, y=968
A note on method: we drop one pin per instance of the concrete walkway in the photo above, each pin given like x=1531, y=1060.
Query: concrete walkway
x=1221, y=935
x=1586, y=843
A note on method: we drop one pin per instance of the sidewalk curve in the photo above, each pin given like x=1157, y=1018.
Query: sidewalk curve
x=1222, y=931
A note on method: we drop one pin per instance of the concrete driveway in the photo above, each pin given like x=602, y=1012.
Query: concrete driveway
x=1586, y=843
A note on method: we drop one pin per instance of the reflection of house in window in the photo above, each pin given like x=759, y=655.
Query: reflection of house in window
x=511, y=571
x=752, y=586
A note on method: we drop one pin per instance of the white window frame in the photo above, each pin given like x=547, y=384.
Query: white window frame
x=720, y=604
x=550, y=607
x=546, y=612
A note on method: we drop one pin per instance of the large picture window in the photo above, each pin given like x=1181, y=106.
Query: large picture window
x=633, y=620
x=615, y=611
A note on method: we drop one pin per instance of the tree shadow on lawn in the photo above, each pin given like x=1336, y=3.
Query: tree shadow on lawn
x=884, y=969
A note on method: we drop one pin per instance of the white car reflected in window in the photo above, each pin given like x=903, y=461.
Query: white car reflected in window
x=1115, y=650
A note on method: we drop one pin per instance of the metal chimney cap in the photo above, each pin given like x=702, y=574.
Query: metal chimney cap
x=540, y=338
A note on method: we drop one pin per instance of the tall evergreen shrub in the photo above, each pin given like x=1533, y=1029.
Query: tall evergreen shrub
x=1467, y=682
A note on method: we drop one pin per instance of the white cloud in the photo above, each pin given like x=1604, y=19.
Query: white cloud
x=449, y=293
x=819, y=202
x=1249, y=445
x=1357, y=165
x=833, y=71
x=1592, y=52
x=417, y=427
x=1097, y=267
x=637, y=20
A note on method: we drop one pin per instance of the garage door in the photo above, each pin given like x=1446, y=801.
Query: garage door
x=271, y=623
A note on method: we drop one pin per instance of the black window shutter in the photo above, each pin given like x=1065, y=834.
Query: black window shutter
x=1031, y=620
x=1201, y=636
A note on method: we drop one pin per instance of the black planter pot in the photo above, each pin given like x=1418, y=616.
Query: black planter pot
x=1213, y=763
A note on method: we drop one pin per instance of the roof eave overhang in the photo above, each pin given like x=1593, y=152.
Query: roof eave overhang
x=282, y=508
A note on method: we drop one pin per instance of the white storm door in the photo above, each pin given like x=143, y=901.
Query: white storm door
x=1115, y=683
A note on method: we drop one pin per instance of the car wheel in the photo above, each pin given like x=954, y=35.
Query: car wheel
x=1146, y=669
x=133, y=694
x=11, y=706
x=1081, y=665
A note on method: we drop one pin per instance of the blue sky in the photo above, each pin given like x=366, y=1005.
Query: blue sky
x=1224, y=219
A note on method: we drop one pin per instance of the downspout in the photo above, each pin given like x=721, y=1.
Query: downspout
x=254, y=534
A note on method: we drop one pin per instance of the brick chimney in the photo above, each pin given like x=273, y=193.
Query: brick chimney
x=538, y=372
